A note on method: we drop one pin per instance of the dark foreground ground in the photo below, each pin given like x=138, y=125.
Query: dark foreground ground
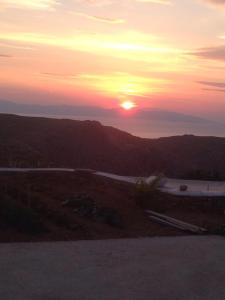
x=165, y=268
x=82, y=206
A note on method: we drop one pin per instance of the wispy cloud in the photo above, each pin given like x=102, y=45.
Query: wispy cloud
x=215, y=90
x=15, y=46
x=213, y=83
x=164, y=2
x=98, y=2
x=215, y=2
x=214, y=53
x=29, y=4
x=118, y=84
x=129, y=45
x=109, y=2
x=101, y=19
x=5, y=56
x=53, y=74
x=215, y=86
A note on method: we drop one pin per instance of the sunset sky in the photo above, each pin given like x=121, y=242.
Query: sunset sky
x=167, y=54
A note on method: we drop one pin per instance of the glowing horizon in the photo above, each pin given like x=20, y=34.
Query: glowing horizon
x=109, y=52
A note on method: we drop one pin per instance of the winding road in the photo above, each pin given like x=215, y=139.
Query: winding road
x=194, y=188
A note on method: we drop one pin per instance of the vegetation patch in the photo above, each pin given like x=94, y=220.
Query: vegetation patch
x=23, y=218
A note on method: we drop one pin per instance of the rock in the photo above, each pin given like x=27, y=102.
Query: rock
x=85, y=206
x=109, y=216
x=183, y=188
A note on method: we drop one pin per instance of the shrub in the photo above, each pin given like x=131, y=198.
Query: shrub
x=220, y=230
x=109, y=216
x=23, y=218
x=147, y=194
x=199, y=174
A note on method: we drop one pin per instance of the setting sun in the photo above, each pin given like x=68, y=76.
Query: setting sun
x=128, y=105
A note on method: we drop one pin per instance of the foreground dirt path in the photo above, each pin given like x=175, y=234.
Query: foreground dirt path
x=186, y=268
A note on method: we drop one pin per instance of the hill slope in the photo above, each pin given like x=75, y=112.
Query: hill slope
x=43, y=142
x=72, y=206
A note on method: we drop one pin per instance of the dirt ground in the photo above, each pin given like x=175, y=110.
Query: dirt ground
x=44, y=193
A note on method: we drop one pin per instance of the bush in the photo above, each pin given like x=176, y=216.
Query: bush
x=147, y=194
x=19, y=216
x=220, y=230
x=109, y=216
x=211, y=175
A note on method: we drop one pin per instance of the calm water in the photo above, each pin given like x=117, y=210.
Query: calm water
x=154, y=129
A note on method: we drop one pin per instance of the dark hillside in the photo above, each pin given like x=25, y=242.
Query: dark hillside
x=72, y=206
x=43, y=142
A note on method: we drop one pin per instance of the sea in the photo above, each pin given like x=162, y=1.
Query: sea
x=153, y=128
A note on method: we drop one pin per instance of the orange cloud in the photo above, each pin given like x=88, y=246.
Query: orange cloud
x=119, y=85
x=29, y=4
x=216, y=2
x=164, y=2
x=128, y=45
x=109, y=2
x=101, y=19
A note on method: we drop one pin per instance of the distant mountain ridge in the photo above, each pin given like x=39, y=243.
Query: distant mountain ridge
x=44, y=142
x=94, y=112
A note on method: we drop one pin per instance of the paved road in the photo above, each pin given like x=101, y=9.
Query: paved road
x=24, y=170
x=177, y=268
x=195, y=188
